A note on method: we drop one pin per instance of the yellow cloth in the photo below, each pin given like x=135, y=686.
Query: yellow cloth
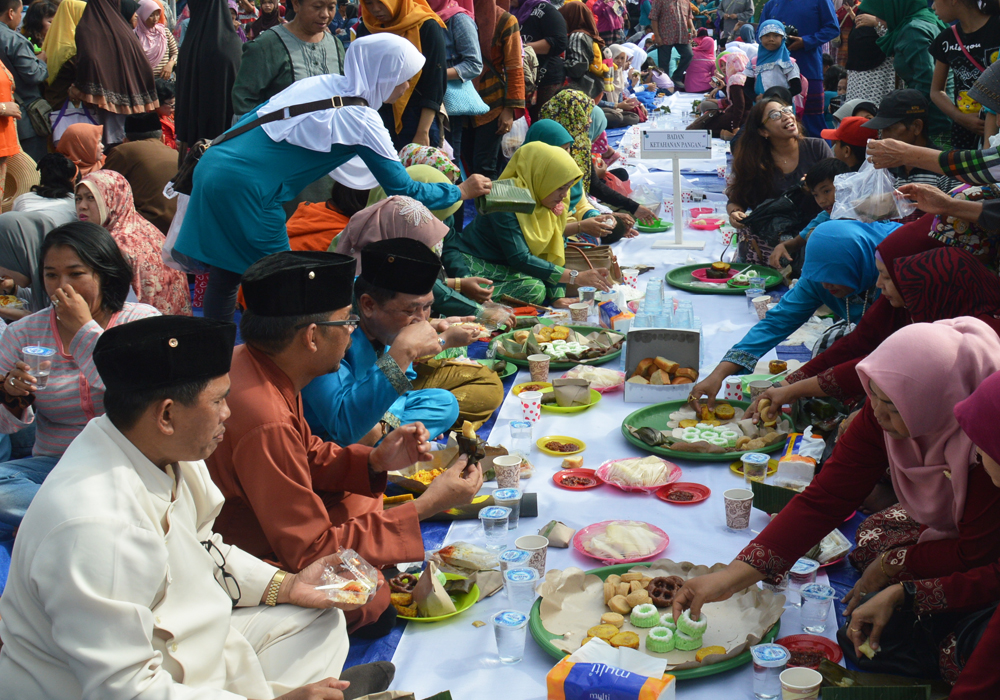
x=542, y=169
x=597, y=66
x=60, y=41
x=421, y=173
x=407, y=18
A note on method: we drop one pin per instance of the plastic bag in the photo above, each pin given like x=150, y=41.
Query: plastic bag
x=649, y=196
x=513, y=139
x=869, y=195
x=351, y=582
x=172, y=258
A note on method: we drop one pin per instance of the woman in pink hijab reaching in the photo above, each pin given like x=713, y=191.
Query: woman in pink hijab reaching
x=158, y=44
x=948, y=516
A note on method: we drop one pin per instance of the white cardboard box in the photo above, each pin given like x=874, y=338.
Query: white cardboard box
x=680, y=345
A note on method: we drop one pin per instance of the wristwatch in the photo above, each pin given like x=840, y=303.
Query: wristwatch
x=572, y=276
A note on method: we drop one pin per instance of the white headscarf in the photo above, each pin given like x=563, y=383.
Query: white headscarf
x=638, y=55
x=373, y=67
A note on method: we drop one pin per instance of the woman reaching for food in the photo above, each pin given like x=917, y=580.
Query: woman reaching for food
x=948, y=516
x=839, y=271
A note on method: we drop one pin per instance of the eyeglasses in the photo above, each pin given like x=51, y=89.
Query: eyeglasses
x=776, y=114
x=353, y=320
x=229, y=581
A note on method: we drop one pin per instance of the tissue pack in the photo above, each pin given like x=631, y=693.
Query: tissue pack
x=585, y=681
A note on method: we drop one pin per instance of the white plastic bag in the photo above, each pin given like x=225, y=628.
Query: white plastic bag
x=170, y=259
x=869, y=195
x=513, y=139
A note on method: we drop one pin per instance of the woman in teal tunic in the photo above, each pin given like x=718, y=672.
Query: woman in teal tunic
x=235, y=216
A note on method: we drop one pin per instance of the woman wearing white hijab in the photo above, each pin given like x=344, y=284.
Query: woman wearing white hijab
x=235, y=216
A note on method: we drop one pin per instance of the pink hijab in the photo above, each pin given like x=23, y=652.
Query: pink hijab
x=925, y=369
x=446, y=9
x=154, y=41
x=735, y=62
x=395, y=217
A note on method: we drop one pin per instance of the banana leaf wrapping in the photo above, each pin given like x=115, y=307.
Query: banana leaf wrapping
x=598, y=343
x=841, y=684
x=505, y=196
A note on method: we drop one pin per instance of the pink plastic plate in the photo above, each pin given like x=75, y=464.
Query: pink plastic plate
x=700, y=212
x=701, y=274
x=583, y=537
x=673, y=474
x=831, y=563
x=709, y=225
x=606, y=390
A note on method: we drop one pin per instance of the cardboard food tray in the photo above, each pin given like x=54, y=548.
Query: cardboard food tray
x=678, y=345
x=440, y=460
x=572, y=601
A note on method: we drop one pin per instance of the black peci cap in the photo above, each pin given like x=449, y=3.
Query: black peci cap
x=299, y=283
x=401, y=265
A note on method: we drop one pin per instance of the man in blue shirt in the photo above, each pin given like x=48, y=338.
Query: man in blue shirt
x=373, y=390
x=817, y=24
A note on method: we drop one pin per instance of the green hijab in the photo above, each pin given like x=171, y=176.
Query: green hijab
x=553, y=133
x=897, y=14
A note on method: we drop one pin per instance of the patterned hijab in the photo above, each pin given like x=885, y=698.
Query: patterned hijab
x=735, y=63
x=573, y=109
x=948, y=283
x=395, y=217
x=414, y=154
x=930, y=468
x=114, y=200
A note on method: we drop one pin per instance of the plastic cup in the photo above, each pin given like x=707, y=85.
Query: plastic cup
x=538, y=546
x=508, y=471
x=579, y=312
x=520, y=587
x=760, y=306
x=738, y=505
x=816, y=599
x=520, y=438
x=758, y=387
x=757, y=283
x=800, y=683
x=769, y=660
x=751, y=294
x=509, y=498
x=538, y=366
x=802, y=573
x=531, y=405
x=754, y=467
x=510, y=629
x=513, y=559
x=39, y=361
x=494, y=520
x=630, y=277
x=734, y=389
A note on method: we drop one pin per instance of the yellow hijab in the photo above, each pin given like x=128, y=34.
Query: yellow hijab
x=542, y=169
x=421, y=173
x=60, y=41
x=407, y=18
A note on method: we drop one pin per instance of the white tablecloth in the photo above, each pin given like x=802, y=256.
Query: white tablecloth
x=454, y=655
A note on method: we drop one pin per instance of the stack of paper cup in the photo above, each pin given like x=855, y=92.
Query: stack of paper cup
x=734, y=389
x=630, y=277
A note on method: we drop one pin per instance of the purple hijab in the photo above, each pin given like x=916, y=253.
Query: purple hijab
x=525, y=9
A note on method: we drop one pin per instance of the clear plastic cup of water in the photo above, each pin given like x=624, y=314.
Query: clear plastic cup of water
x=510, y=628
x=39, y=361
x=509, y=498
x=520, y=438
x=751, y=294
x=816, y=599
x=520, y=587
x=494, y=520
x=758, y=284
x=802, y=573
x=684, y=316
x=769, y=660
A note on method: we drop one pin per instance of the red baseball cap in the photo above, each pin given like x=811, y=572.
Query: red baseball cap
x=850, y=131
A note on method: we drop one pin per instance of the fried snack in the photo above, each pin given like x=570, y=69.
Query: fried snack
x=631, y=576
x=637, y=380
x=614, y=578
x=643, y=368
x=687, y=372
x=662, y=590
x=426, y=476
x=613, y=619
x=755, y=444
x=867, y=650
x=625, y=639
x=620, y=605
x=777, y=366
x=707, y=651
x=659, y=377
x=560, y=333
x=624, y=588
x=407, y=610
x=521, y=336
x=668, y=366
x=689, y=423
x=404, y=583
x=401, y=599
x=768, y=413
x=682, y=380
x=646, y=580
x=610, y=591
x=707, y=413
x=604, y=632
x=639, y=597
x=723, y=411
x=741, y=443
x=636, y=586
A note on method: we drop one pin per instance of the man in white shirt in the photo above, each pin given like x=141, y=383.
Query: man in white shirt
x=119, y=588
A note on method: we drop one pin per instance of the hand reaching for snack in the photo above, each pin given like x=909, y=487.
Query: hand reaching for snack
x=871, y=617
x=457, y=486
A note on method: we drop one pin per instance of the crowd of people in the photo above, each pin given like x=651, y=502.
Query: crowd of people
x=302, y=168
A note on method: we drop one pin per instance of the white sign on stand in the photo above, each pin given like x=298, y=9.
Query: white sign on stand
x=658, y=145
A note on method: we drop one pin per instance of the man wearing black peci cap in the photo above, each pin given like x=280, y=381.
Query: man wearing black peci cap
x=148, y=165
x=903, y=116
x=118, y=585
x=290, y=497
x=377, y=388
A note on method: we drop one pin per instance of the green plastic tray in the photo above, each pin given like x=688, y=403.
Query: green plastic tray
x=658, y=415
x=507, y=371
x=544, y=638
x=659, y=227
x=584, y=330
x=680, y=277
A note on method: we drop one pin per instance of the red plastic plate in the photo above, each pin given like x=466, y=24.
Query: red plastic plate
x=585, y=473
x=700, y=493
x=701, y=274
x=814, y=643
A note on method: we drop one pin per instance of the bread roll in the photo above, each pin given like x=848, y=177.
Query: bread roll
x=687, y=372
x=682, y=380
x=659, y=377
x=666, y=365
x=644, y=368
x=637, y=380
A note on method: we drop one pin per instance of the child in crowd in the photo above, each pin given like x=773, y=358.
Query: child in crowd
x=850, y=141
x=819, y=180
x=834, y=89
x=655, y=80
x=774, y=66
x=165, y=94
x=964, y=50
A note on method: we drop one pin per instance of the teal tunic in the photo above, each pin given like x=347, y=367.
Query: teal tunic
x=344, y=405
x=234, y=217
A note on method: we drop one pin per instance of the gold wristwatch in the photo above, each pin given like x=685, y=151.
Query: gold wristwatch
x=272, y=589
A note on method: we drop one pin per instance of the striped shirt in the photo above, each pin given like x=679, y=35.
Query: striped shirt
x=75, y=392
